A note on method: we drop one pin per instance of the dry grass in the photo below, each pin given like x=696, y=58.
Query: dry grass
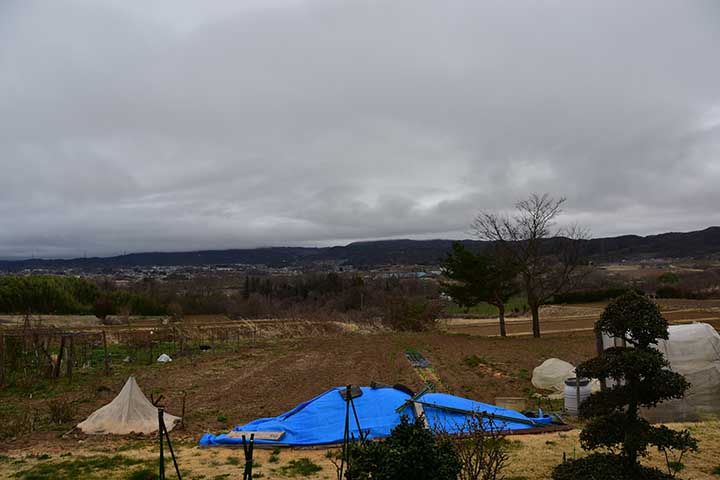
x=532, y=456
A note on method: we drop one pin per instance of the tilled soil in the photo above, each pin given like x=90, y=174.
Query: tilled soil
x=272, y=376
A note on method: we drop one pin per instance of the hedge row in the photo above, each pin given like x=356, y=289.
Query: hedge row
x=587, y=296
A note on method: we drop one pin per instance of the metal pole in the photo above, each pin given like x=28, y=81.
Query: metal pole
x=245, y=452
x=172, y=454
x=346, y=435
x=248, y=448
x=357, y=420
x=160, y=435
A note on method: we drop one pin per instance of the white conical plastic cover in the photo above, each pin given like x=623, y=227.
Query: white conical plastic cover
x=129, y=412
x=164, y=358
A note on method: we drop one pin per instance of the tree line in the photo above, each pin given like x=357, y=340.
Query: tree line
x=46, y=295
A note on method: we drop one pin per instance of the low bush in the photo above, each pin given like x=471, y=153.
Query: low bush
x=411, y=451
x=668, y=277
x=302, y=467
x=409, y=314
x=144, y=474
x=60, y=410
x=482, y=449
x=603, y=466
x=677, y=292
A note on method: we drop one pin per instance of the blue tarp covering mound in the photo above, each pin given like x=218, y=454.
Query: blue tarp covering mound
x=321, y=420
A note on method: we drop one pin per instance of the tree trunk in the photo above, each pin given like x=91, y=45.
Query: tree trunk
x=535, y=310
x=501, y=318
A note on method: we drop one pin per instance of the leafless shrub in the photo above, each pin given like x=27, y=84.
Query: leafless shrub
x=411, y=314
x=481, y=447
x=18, y=424
x=61, y=410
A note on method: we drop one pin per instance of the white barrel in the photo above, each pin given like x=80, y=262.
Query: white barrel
x=571, y=394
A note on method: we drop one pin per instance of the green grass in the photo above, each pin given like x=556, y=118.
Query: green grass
x=144, y=474
x=275, y=455
x=85, y=467
x=301, y=467
x=676, y=466
x=473, y=361
x=515, y=304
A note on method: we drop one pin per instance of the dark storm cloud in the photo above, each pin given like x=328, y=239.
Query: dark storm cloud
x=232, y=124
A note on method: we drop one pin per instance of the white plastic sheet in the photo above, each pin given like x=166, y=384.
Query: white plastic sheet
x=551, y=375
x=129, y=412
x=692, y=350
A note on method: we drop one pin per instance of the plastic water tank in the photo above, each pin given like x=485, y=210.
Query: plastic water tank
x=571, y=394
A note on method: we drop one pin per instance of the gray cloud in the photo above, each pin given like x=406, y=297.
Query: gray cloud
x=235, y=124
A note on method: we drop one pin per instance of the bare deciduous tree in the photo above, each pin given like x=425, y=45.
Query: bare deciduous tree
x=548, y=258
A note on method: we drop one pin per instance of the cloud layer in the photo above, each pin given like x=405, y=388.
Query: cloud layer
x=184, y=126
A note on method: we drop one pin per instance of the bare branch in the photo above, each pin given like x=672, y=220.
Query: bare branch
x=549, y=261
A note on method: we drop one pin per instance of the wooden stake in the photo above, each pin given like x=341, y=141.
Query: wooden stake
x=56, y=365
x=105, y=354
x=69, y=358
x=182, y=415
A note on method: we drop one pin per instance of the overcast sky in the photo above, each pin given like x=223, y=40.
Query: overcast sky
x=173, y=125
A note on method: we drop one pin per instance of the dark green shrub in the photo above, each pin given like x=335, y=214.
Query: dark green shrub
x=136, y=303
x=45, y=294
x=103, y=307
x=677, y=292
x=604, y=466
x=411, y=451
x=144, y=474
x=643, y=379
x=668, y=277
x=302, y=467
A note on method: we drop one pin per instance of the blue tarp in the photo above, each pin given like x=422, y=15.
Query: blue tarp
x=321, y=420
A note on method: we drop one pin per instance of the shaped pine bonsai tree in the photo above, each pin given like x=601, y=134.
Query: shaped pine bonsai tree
x=640, y=377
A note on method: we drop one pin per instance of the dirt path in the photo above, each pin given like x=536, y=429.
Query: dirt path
x=561, y=318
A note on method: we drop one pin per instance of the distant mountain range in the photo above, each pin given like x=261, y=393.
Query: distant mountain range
x=696, y=244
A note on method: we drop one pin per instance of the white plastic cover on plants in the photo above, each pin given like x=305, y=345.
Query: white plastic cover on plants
x=164, y=358
x=693, y=350
x=551, y=375
x=129, y=412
